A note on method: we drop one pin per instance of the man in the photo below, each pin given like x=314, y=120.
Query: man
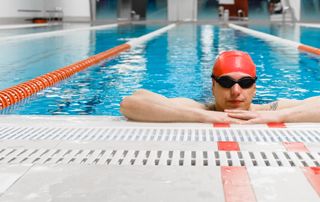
x=233, y=86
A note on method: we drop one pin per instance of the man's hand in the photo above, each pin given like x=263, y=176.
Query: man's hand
x=219, y=117
x=252, y=117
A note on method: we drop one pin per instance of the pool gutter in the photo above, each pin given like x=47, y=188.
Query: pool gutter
x=105, y=157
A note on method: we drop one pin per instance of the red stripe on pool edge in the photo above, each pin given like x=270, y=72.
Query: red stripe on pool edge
x=236, y=184
x=221, y=125
x=295, y=147
x=228, y=146
x=313, y=176
x=276, y=125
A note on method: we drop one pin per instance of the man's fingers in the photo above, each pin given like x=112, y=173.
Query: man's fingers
x=243, y=116
x=235, y=120
x=234, y=110
x=238, y=121
x=253, y=121
x=230, y=120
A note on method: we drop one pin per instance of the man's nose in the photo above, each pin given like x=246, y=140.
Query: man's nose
x=235, y=90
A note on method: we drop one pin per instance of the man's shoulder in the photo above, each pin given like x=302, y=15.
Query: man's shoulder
x=187, y=102
x=281, y=103
x=210, y=106
x=262, y=107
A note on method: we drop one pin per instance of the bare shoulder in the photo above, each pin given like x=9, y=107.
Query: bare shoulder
x=272, y=106
x=276, y=105
x=186, y=102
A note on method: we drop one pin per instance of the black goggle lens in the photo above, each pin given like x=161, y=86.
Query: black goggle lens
x=228, y=82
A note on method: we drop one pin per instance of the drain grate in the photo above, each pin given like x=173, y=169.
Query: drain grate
x=160, y=157
x=161, y=134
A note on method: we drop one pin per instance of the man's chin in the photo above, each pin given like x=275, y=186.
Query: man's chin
x=238, y=107
x=241, y=107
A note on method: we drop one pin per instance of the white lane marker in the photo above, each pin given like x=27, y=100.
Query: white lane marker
x=264, y=36
x=147, y=37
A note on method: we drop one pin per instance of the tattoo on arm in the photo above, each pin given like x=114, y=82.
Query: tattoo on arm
x=273, y=106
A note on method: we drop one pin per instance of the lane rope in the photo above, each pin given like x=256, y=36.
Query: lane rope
x=269, y=37
x=23, y=90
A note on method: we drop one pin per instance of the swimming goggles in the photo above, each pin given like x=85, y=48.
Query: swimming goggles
x=228, y=82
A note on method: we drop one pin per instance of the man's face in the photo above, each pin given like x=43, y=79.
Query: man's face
x=234, y=97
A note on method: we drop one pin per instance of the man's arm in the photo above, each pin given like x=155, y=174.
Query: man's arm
x=146, y=106
x=276, y=105
x=307, y=110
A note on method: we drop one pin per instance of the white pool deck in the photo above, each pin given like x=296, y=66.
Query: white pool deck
x=67, y=28
x=87, y=158
x=22, y=26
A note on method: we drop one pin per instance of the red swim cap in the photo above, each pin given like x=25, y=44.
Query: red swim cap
x=234, y=61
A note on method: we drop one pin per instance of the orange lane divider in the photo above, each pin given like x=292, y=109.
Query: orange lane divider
x=309, y=49
x=16, y=93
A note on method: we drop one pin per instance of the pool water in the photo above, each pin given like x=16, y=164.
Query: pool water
x=26, y=59
x=175, y=64
x=305, y=35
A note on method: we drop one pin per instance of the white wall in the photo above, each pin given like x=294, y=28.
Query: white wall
x=71, y=8
x=182, y=10
x=74, y=8
x=296, y=7
x=9, y=8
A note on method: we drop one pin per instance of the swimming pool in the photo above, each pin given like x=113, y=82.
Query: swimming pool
x=175, y=64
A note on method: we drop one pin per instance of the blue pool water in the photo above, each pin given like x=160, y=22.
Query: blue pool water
x=24, y=60
x=175, y=64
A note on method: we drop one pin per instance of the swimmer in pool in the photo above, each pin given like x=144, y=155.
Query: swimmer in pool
x=233, y=86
